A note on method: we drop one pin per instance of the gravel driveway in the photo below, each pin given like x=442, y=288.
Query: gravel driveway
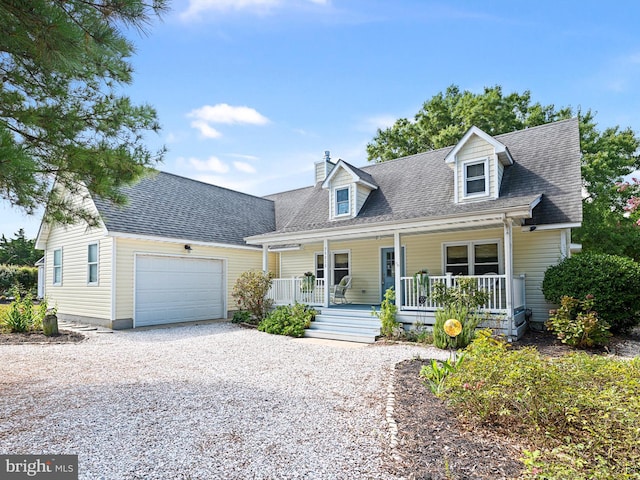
x=201, y=402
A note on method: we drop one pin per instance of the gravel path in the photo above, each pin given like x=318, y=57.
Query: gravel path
x=202, y=402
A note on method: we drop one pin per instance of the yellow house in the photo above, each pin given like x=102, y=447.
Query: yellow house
x=498, y=209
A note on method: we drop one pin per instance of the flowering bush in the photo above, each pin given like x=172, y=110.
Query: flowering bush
x=250, y=292
x=576, y=323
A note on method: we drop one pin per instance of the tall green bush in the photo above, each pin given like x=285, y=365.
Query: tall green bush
x=11, y=275
x=462, y=302
x=613, y=281
x=250, y=292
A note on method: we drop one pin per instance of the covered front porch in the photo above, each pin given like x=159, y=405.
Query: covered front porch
x=488, y=250
x=415, y=303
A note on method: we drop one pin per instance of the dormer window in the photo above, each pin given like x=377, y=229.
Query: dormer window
x=475, y=178
x=342, y=201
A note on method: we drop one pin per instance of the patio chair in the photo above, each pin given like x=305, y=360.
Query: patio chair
x=339, y=291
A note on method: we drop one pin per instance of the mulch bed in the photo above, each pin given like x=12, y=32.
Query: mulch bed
x=65, y=336
x=434, y=445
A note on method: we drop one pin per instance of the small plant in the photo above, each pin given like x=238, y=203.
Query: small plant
x=288, y=320
x=421, y=282
x=576, y=323
x=419, y=333
x=22, y=315
x=437, y=372
x=308, y=282
x=387, y=315
x=250, y=292
x=241, y=316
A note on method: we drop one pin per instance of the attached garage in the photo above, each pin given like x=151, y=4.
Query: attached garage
x=170, y=289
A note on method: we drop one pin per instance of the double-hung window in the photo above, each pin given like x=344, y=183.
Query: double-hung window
x=342, y=201
x=475, y=178
x=57, y=266
x=340, y=266
x=92, y=264
x=472, y=258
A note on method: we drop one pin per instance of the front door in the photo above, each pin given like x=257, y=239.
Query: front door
x=388, y=274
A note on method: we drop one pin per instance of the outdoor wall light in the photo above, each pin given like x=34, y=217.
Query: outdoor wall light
x=187, y=247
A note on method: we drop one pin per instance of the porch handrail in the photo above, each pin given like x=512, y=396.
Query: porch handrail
x=416, y=297
x=288, y=291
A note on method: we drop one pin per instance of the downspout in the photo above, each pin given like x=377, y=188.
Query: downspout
x=508, y=270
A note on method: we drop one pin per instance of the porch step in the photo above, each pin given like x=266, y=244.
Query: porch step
x=347, y=325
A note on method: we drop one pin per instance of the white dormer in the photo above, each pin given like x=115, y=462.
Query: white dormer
x=478, y=162
x=349, y=187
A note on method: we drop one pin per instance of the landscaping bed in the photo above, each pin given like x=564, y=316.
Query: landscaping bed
x=64, y=336
x=434, y=444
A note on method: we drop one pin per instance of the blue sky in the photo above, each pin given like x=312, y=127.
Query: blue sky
x=251, y=92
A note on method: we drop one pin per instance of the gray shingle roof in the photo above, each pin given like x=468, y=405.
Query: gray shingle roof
x=547, y=162
x=168, y=205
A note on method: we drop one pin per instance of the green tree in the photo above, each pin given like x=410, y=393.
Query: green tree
x=446, y=117
x=19, y=250
x=62, y=116
x=610, y=206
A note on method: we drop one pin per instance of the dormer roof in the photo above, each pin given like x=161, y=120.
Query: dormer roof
x=359, y=176
x=500, y=148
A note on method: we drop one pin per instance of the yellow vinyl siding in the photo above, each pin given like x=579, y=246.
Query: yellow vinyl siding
x=361, y=197
x=74, y=296
x=476, y=149
x=533, y=253
x=236, y=262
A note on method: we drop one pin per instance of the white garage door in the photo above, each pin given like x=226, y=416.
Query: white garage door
x=177, y=289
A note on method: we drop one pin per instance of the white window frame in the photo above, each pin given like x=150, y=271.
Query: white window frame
x=59, y=267
x=465, y=180
x=90, y=264
x=471, y=254
x=333, y=263
x=315, y=267
x=336, y=203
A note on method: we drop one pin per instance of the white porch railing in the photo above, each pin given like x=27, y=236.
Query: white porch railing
x=287, y=291
x=416, y=297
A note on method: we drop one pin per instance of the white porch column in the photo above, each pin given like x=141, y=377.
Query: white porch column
x=326, y=252
x=265, y=258
x=508, y=269
x=397, y=260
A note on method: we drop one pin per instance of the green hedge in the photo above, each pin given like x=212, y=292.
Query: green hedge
x=613, y=281
x=11, y=275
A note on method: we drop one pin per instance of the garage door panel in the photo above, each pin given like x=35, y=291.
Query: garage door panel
x=176, y=289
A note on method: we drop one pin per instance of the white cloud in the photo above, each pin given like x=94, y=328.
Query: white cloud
x=244, y=167
x=212, y=164
x=225, y=114
x=197, y=7
x=228, y=114
x=205, y=129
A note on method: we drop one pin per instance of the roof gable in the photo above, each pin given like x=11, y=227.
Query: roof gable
x=358, y=176
x=500, y=149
